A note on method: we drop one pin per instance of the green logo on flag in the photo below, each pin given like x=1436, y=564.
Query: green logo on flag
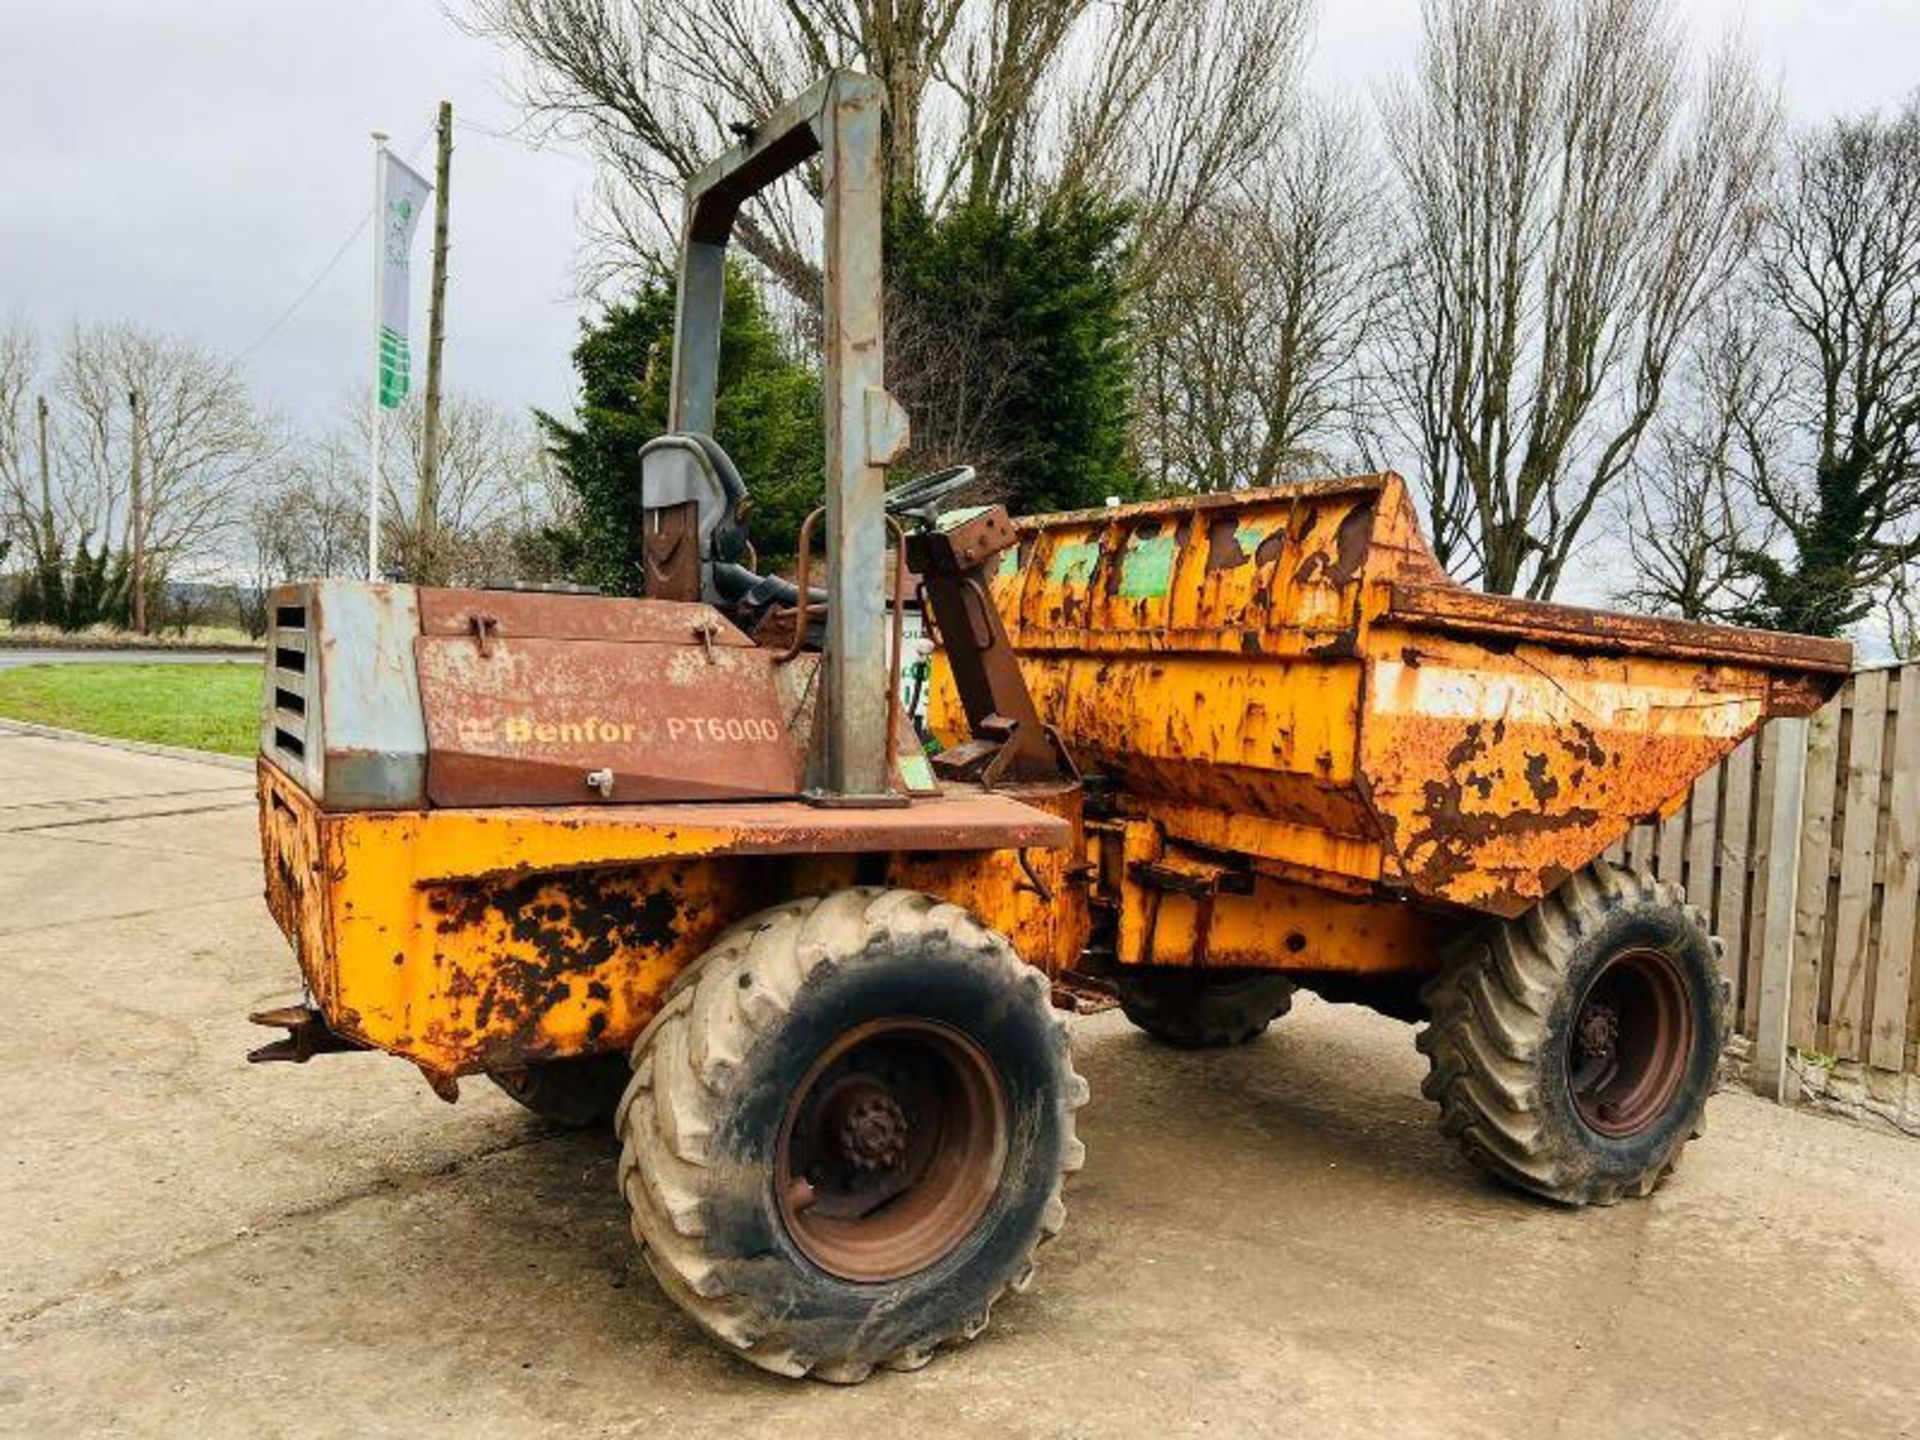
x=394, y=367
x=403, y=192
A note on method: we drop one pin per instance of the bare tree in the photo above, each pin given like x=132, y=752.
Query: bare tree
x=1675, y=541
x=956, y=380
x=307, y=519
x=1686, y=512
x=1570, y=202
x=1900, y=613
x=497, y=488
x=987, y=100
x=1249, y=339
x=496, y=484
x=23, y=517
x=1170, y=107
x=1831, y=441
x=205, y=441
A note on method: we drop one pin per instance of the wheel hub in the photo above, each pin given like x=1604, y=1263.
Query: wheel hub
x=1598, y=1033
x=873, y=1132
x=1631, y=1044
x=892, y=1149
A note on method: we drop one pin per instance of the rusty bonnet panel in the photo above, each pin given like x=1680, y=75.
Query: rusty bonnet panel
x=388, y=697
x=565, y=699
x=551, y=721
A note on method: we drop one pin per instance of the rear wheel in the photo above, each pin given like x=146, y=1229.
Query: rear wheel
x=1572, y=1051
x=578, y=1094
x=847, y=1130
x=1204, y=1009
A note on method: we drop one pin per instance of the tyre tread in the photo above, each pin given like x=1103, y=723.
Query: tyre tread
x=1488, y=1030
x=1176, y=1010
x=737, y=992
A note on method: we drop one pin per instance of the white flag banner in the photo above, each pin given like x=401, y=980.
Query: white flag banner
x=403, y=195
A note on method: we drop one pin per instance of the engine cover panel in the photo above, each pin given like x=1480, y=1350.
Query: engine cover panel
x=516, y=721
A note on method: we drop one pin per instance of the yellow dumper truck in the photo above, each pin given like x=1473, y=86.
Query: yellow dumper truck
x=681, y=865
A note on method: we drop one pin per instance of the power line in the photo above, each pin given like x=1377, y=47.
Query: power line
x=366, y=216
x=521, y=139
x=312, y=285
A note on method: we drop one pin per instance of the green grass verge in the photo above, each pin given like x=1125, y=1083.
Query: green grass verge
x=200, y=707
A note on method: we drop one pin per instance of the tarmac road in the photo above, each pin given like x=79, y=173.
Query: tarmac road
x=1273, y=1241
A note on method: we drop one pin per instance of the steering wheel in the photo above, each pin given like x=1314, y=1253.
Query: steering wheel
x=921, y=495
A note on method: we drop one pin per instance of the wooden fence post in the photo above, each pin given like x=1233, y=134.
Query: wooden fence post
x=1770, y=1072
x=1900, y=902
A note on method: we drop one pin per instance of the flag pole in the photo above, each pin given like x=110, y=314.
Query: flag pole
x=373, y=393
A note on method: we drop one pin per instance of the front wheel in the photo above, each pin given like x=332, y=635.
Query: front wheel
x=1572, y=1051
x=847, y=1130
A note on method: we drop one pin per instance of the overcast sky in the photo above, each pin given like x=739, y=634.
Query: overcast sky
x=192, y=166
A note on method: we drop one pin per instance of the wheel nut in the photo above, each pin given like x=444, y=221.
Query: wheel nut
x=1598, y=1032
x=873, y=1135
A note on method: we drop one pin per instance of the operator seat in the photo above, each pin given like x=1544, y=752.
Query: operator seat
x=691, y=498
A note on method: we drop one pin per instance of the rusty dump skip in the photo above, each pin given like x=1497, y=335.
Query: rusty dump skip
x=1288, y=675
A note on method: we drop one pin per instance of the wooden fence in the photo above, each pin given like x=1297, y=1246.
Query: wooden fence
x=1848, y=959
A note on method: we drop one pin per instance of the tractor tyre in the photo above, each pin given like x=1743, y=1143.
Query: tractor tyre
x=1205, y=1010
x=847, y=1130
x=577, y=1094
x=1572, y=1050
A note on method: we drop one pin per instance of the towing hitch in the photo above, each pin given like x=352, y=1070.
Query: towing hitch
x=308, y=1035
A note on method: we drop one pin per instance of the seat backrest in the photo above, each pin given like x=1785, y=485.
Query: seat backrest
x=688, y=468
x=677, y=468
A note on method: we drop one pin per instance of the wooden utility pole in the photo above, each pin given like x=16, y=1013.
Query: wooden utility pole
x=426, y=518
x=137, y=566
x=46, y=481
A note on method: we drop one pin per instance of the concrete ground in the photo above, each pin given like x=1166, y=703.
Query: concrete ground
x=1272, y=1241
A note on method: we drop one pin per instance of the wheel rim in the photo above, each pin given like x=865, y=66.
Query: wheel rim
x=892, y=1149
x=1632, y=1039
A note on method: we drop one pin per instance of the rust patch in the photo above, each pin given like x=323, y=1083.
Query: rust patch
x=1543, y=785
x=1350, y=542
x=1584, y=745
x=582, y=945
x=1450, y=842
x=1342, y=644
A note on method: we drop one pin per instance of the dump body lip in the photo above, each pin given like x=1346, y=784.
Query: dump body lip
x=1461, y=611
x=1213, y=500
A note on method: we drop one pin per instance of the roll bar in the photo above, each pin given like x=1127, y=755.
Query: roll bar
x=838, y=119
